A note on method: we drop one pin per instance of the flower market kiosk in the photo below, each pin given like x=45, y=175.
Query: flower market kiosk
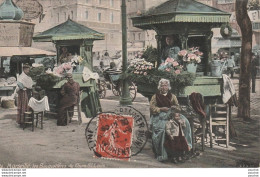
x=74, y=43
x=190, y=23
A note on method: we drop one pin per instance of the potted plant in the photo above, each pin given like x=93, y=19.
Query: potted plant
x=191, y=58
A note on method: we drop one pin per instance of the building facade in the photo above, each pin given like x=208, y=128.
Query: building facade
x=101, y=15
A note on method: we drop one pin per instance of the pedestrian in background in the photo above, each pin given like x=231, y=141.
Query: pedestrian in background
x=230, y=65
x=254, y=64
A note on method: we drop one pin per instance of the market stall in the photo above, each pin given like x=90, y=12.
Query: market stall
x=74, y=43
x=190, y=22
x=15, y=47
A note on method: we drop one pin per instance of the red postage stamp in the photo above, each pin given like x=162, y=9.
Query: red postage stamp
x=114, y=136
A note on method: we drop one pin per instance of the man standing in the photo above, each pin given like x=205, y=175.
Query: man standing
x=254, y=65
x=24, y=83
x=230, y=65
x=70, y=96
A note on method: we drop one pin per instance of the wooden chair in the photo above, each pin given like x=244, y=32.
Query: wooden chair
x=29, y=117
x=219, y=116
x=194, y=119
x=76, y=111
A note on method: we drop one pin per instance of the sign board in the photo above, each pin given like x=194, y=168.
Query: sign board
x=32, y=9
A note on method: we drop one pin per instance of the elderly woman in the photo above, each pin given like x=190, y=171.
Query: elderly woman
x=167, y=124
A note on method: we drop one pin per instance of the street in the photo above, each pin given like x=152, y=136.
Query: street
x=66, y=147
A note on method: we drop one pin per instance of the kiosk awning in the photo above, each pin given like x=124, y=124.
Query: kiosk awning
x=23, y=51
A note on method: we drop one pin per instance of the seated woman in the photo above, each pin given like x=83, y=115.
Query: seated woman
x=167, y=123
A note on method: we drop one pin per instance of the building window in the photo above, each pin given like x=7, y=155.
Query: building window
x=99, y=2
x=112, y=3
x=87, y=1
x=58, y=15
x=86, y=14
x=111, y=17
x=139, y=36
x=225, y=1
x=99, y=16
x=65, y=16
x=134, y=36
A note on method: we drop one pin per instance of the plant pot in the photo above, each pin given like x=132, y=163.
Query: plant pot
x=191, y=67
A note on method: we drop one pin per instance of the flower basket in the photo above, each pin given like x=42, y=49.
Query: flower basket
x=8, y=103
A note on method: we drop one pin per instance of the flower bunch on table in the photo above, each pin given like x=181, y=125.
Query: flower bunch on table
x=140, y=66
x=171, y=65
x=192, y=55
x=61, y=70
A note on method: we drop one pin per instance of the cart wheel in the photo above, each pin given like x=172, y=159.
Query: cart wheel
x=115, y=91
x=132, y=90
x=102, y=89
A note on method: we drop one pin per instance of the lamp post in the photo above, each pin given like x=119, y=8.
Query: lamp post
x=125, y=96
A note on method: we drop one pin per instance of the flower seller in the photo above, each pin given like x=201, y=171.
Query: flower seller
x=70, y=96
x=24, y=83
x=171, y=132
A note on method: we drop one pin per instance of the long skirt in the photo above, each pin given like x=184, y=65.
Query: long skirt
x=158, y=123
x=22, y=105
x=62, y=112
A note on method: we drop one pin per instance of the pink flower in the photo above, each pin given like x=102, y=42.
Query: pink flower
x=177, y=71
x=67, y=66
x=168, y=69
x=182, y=52
x=169, y=60
x=59, y=70
x=145, y=73
x=175, y=63
x=191, y=56
x=150, y=67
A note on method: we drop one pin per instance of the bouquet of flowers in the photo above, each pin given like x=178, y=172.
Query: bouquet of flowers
x=192, y=55
x=172, y=66
x=140, y=66
x=61, y=70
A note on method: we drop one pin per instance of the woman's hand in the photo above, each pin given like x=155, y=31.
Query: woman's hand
x=176, y=108
x=164, y=109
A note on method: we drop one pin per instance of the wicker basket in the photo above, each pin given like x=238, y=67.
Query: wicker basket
x=8, y=103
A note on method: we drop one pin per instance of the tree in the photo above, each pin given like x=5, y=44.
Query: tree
x=245, y=25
